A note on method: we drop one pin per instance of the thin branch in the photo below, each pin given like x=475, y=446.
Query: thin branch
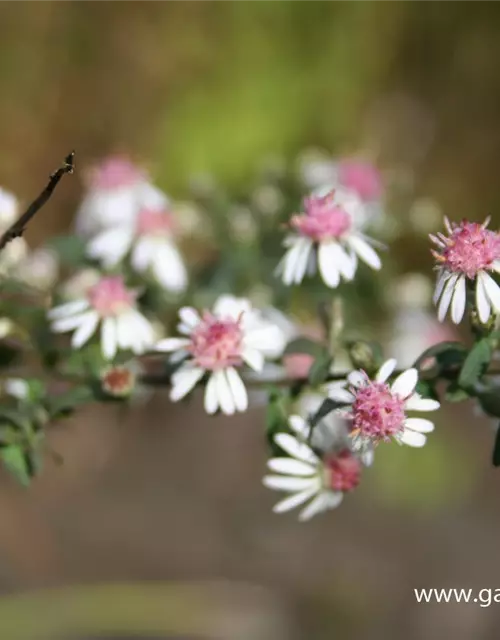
x=17, y=229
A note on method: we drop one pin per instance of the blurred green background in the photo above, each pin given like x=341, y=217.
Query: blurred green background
x=161, y=494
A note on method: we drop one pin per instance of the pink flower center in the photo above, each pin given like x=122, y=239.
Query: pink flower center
x=110, y=297
x=154, y=222
x=342, y=471
x=217, y=343
x=115, y=173
x=378, y=414
x=362, y=177
x=323, y=219
x=469, y=249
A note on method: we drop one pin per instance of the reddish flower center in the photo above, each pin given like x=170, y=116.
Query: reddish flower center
x=362, y=177
x=217, y=343
x=115, y=173
x=469, y=249
x=323, y=219
x=377, y=413
x=154, y=222
x=342, y=471
x=110, y=297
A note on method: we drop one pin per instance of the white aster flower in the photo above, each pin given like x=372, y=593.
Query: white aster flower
x=117, y=189
x=113, y=306
x=377, y=410
x=468, y=254
x=149, y=239
x=219, y=342
x=326, y=234
x=308, y=477
x=332, y=432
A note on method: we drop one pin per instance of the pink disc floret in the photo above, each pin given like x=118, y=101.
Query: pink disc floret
x=342, y=471
x=116, y=172
x=323, y=219
x=110, y=297
x=362, y=177
x=154, y=222
x=216, y=343
x=469, y=249
x=377, y=413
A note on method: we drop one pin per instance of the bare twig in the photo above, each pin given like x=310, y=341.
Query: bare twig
x=17, y=229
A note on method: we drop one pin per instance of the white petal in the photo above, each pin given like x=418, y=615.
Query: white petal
x=365, y=252
x=189, y=317
x=496, y=266
x=356, y=379
x=183, y=381
x=294, y=448
x=327, y=263
x=144, y=334
x=238, y=389
x=224, y=393
x=293, y=259
x=85, y=330
x=492, y=290
x=322, y=502
x=111, y=246
x=168, y=268
x=171, y=344
x=482, y=302
x=441, y=281
x=67, y=309
x=340, y=395
x=288, y=483
x=405, y=383
x=142, y=254
x=386, y=370
x=419, y=424
x=290, y=467
x=253, y=358
x=126, y=331
x=416, y=403
x=293, y=501
x=108, y=338
x=299, y=425
x=68, y=324
x=412, y=438
x=446, y=296
x=302, y=260
x=458, y=302
x=211, y=400
x=267, y=338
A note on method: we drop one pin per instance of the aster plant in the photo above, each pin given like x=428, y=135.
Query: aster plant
x=198, y=295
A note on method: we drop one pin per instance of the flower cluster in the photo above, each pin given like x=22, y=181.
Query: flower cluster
x=124, y=320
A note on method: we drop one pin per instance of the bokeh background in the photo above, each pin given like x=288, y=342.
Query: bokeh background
x=160, y=498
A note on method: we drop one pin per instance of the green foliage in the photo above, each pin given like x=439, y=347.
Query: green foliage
x=276, y=416
x=475, y=364
x=448, y=358
x=320, y=369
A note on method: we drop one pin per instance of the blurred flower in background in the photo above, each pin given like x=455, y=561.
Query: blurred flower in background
x=15, y=251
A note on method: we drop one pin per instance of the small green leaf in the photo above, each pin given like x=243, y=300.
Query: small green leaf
x=426, y=389
x=65, y=403
x=15, y=462
x=475, y=364
x=455, y=393
x=449, y=358
x=326, y=408
x=276, y=416
x=320, y=369
x=305, y=345
x=496, y=449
